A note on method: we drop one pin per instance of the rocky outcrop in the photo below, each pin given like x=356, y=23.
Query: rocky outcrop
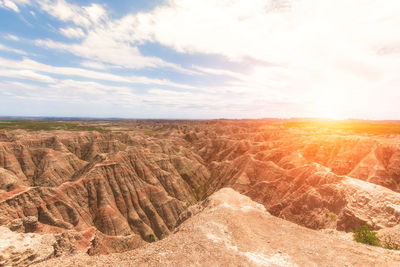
x=17, y=249
x=228, y=229
x=134, y=185
x=314, y=180
x=23, y=249
x=124, y=190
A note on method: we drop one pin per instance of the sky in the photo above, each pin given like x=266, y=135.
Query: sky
x=190, y=59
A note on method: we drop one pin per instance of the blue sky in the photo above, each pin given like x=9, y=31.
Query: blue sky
x=200, y=59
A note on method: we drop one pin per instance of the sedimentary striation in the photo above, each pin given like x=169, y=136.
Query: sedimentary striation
x=228, y=229
x=117, y=190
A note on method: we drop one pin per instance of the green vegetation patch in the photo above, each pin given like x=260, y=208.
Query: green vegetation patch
x=46, y=125
x=364, y=235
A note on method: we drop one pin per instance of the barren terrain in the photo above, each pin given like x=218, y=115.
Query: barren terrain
x=100, y=187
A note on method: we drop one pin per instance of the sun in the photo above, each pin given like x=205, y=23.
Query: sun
x=332, y=105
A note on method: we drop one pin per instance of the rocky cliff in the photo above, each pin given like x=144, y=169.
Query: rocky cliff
x=228, y=229
x=115, y=191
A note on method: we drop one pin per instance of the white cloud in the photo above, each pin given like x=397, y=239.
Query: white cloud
x=10, y=49
x=81, y=16
x=12, y=37
x=69, y=32
x=22, y=2
x=72, y=91
x=221, y=72
x=106, y=41
x=13, y=4
x=103, y=48
x=95, y=65
x=99, y=47
x=310, y=30
x=312, y=57
x=95, y=13
x=328, y=52
x=28, y=64
x=9, y=5
x=26, y=75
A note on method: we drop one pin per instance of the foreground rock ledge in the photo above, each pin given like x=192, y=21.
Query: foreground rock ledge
x=229, y=229
x=18, y=249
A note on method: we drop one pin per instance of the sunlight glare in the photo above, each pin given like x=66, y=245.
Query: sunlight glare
x=331, y=105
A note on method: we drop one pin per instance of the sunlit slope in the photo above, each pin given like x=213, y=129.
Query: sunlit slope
x=137, y=178
x=352, y=126
x=228, y=229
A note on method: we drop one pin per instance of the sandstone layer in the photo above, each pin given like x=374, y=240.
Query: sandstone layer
x=231, y=230
x=114, y=191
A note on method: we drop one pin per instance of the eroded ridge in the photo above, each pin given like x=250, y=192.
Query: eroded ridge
x=117, y=190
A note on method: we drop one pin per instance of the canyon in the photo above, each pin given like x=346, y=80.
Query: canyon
x=133, y=186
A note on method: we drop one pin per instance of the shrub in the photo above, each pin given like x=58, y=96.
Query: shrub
x=331, y=215
x=150, y=238
x=364, y=235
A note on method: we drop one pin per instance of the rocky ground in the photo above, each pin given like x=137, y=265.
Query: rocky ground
x=231, y=230
x=118, y=189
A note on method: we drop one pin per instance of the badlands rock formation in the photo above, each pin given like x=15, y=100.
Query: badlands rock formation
x=231, y=230
x=22, y=249
x=114, y=191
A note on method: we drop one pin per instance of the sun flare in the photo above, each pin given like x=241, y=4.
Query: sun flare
x=331, y=105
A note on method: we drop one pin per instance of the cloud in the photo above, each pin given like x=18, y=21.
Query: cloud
x=75, y=33
x=12, y=37
x=28, y=64
x=95, y=65
x=22, y=2
x=26, y=75
x=321, y=51
x=106, y=41
x=103, y=48
x=8, y=4
x=296, y=39
x=71, y=91
x=273, y=31
x=99, y=47
x=220, y=72
x=13, y=4
x=95, y=12
x=9, y=49
x=81, y=16
x=299, y=57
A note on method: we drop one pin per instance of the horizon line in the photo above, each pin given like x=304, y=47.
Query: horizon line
x=182, y=119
